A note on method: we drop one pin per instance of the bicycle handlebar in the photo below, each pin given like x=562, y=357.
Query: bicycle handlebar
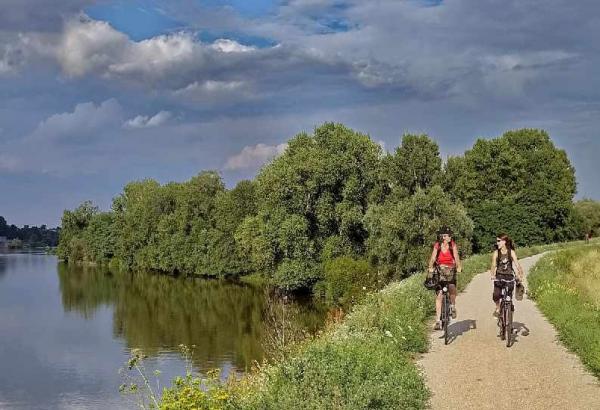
x=503, y=280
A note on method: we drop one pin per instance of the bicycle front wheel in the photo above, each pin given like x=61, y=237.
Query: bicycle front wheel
x=446, y=319
x=509, y=326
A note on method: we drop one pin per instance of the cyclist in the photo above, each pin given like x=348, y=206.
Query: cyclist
x=504, y=261
x=445, y=257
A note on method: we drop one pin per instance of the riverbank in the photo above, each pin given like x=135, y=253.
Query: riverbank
x=365, y=360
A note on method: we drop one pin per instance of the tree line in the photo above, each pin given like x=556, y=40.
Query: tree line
x=29, y=235
x=334, y=195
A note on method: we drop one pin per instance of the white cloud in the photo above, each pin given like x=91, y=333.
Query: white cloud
x=86, y=120
x=230, y=46
x=94, y=47
x=254, y=156
x=144, y=121
x=214, y=91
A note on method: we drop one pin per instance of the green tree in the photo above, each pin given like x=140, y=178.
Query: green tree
x=401, y=234
x=318, y=189
x=71, y=245
x=521, y=170
x=415, y=165
x=100, y=238
x=589, y=211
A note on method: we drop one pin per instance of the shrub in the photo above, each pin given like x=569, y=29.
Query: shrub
x=348, y=280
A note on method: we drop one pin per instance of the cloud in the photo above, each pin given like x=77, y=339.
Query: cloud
x=230, y=46
x=172, y=60
x=85, y=121
x=254, y=156
x=38, y=16
x=144, y=121
x=11, y=59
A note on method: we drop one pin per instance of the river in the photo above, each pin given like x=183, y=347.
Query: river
x=66, y=330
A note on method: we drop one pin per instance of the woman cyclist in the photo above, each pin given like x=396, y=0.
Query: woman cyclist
x=445, y=258
x=503, y=263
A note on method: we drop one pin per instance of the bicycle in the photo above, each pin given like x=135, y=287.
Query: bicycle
x=505, y=318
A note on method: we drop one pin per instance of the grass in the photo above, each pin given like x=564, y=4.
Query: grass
x=367, y=359
x=566, y=288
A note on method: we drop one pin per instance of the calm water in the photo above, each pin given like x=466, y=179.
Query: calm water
x=66, y=331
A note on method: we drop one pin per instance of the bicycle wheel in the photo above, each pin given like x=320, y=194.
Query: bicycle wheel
x=446, y=319
x=501, y=318
x=509, y=326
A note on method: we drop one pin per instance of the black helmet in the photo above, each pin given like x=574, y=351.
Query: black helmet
x=445, y=231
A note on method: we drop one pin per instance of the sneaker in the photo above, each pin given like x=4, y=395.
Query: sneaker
x=496, y=313
x=437, y=326
x=453, y=311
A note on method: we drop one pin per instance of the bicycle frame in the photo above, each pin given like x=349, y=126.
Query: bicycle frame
x=505, y=319
x=445, y=314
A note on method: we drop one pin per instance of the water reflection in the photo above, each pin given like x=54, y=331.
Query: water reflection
x=228, y=322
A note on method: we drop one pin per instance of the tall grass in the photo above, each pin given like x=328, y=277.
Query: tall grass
x=566, y=287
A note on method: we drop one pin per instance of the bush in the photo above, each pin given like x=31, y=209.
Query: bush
x=348, y=280
x=295, y=274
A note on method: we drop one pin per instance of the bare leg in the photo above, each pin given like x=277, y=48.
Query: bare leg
x=452, y=294
x=438, y=305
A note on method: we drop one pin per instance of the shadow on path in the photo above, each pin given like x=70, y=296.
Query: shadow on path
x=457, y=329
x=520, y=329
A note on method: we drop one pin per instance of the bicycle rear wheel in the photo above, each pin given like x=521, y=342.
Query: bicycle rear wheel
x=509, y=326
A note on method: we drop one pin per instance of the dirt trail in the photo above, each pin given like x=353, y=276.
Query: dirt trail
x=477, y=371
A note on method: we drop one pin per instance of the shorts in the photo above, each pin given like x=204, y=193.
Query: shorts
x=447, y=277
x=497, y=294
x=441, y=285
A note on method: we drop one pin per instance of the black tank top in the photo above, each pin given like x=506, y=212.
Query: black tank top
x=504, y=264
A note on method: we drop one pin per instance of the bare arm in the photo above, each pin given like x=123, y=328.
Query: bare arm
x=457, y=259
x=493, y=268
x=520, y=274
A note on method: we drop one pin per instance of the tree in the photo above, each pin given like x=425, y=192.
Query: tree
x=589, y=212
x=416, y=164
x=71, y=246
x=402, y=233
x=317, y=190
x=521, y=170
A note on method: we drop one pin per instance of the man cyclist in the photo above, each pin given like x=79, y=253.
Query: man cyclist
x=504, y=261
x=445, y=258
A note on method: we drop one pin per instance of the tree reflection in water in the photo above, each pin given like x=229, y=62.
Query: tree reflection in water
x=226, y=321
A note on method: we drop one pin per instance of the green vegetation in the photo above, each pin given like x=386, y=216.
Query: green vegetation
x=589, y=213
x=29, y=236
x=566, y=287
x=519, y=183
x=364, y=361
x=334, y=194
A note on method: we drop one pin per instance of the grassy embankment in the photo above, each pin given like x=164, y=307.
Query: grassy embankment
x=566, y=288
x=365, y=361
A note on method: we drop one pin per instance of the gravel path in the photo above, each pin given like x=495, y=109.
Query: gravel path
x=477, y=371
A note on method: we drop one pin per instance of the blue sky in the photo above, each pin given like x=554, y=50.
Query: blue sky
x=100, y=93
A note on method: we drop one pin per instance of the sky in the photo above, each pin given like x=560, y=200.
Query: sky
x=96, y=94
